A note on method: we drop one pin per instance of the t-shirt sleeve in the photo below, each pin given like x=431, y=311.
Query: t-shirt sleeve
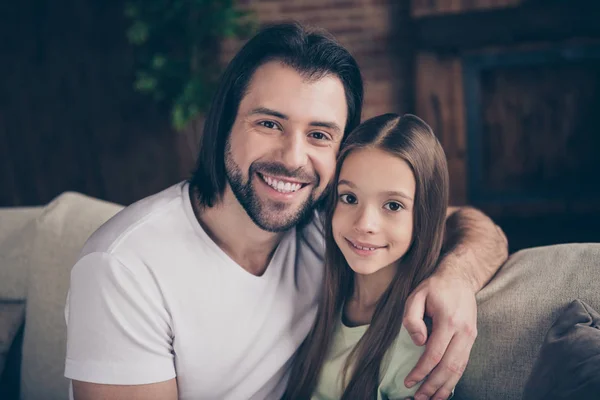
x=403, y=358
x=118, y=327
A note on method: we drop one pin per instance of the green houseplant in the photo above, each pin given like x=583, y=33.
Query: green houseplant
x=177, y=45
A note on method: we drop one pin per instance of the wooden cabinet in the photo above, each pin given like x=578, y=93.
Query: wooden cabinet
x=515, y=109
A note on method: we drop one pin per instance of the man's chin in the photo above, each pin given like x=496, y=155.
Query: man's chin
x=277, y=224
x=280, y=220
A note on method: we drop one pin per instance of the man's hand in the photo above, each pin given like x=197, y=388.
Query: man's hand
x=450, y=302
x=474, y=249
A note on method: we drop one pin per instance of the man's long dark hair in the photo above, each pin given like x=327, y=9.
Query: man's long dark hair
x=410, y=139
x=313, y=53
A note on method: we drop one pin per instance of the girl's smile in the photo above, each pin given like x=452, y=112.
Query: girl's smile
x=363, y=249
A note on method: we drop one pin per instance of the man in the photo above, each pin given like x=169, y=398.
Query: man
x=207, y=289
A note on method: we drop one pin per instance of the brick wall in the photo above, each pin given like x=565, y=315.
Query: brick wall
x=422, y=8
x=376, y=32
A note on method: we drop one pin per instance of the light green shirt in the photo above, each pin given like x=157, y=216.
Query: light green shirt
x=400, y=359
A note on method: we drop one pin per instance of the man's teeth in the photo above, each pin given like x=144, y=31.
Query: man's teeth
x=281, y=186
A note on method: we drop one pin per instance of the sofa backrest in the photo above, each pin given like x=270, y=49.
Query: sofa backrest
x=516, y=310
x=15, y=218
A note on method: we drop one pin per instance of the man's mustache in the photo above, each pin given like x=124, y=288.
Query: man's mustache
x=272, y=168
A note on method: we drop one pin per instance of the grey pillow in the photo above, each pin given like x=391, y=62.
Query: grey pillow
x=568, y=365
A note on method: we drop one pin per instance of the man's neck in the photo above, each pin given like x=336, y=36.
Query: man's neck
x=230, y=227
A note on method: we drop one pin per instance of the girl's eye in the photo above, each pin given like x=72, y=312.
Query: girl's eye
x=348, y=199
x=268, y=124
x=393, y=206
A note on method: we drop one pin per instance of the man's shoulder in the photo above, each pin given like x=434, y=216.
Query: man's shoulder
x=137, y=219
x=311, y=243
x=314, y=225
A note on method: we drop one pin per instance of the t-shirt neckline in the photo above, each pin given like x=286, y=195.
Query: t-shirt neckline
x=274, y=264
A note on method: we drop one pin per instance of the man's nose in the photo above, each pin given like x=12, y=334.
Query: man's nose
x=294, y=150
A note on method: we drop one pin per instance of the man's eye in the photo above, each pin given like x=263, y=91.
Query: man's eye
x=348, y=199
x=268, y=124
x=319, y=135
x=393, y=206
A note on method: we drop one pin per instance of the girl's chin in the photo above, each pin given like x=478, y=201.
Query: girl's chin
x=364, y=269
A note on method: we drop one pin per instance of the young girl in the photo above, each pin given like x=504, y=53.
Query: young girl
x=384, y=236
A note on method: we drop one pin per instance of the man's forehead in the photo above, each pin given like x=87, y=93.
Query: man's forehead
x=277, y=87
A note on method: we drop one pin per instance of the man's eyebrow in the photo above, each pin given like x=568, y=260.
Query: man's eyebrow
x=322, y=124
x=329, y=125
x=268, y=111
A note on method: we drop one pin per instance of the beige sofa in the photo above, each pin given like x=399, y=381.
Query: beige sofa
x=38, y=247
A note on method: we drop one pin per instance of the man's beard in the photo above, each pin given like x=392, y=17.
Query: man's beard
x=268, y=215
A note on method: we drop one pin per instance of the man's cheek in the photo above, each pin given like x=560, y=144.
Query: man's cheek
x=328, y=174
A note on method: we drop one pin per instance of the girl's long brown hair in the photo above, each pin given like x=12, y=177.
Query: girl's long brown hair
x=411, y=139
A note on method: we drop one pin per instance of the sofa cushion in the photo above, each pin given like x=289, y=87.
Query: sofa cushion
x=17, y=229
x=516, y=310
x=61, y=231
x=568, y=366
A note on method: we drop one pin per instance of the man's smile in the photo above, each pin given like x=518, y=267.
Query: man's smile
x=282, y=185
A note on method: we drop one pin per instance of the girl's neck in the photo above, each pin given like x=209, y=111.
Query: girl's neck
x=368, y=289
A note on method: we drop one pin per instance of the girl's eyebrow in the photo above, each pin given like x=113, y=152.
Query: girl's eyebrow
x=399, y=194
x=388, y=193
x=346, y=182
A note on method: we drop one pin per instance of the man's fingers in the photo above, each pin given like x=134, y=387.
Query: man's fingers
x=414, y=311
x=447, y=373
x=435, y=350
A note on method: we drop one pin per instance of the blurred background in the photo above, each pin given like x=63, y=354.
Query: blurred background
x=105, y=97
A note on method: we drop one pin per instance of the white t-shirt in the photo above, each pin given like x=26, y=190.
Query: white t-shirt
x=152, y=297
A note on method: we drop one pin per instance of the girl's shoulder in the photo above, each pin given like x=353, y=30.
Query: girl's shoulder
x=400, y=360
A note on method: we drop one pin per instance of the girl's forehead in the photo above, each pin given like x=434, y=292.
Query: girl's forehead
x=376, y=170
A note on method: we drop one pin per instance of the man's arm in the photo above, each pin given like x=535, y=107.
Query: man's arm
x=119, y=340
x=155, y=391
x=474, y=249
x=474, y=246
